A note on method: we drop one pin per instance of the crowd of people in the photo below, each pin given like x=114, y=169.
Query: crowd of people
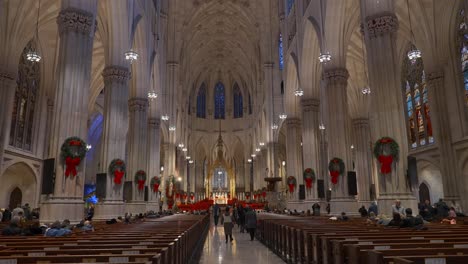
x=244, y=217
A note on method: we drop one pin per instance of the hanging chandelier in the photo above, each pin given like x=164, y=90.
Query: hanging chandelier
x=33, y=55
x=172, y=128
x=274, y=126
x=257, y=150
x=181, y=145
x=366, y=91
x=322, y=127
x=414, y=53
x=325, y=57
x=261, y=144
x=283, y=116
x=164, y=117
x=152, y=95
x=299, y=92
x=131, y=56
x=190, y=161
x=184, y=149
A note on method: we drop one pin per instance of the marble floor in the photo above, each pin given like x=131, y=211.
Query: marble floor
x=239, y=251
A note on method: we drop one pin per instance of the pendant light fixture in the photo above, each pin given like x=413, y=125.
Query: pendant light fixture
x=33, y=55
x=324, y=56
x=366, y=90
x=131, y=55
x=414, y=53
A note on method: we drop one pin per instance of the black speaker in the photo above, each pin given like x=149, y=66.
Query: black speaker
x=412, y=173
x=373, y=195
x=146, y=193
x=328, y=195
x=301, y=192
x=352, y=184
x=101, y=183
x=48, y=176
x=321, y=189
x=127, y=191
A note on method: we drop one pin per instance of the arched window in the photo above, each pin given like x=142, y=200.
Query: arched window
x=27, y=91
x=280, y=51
x=201, y=102
x=417, y=108
x=463, y=42
x=219, y=100
x=250, y=105
x=290, y=5
x=238, y=103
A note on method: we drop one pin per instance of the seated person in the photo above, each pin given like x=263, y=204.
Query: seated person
x=343, y=217
x=56, y=230
x=396, y=221
x=410, y=220
x=14, y=228
x=87, y=226
x=66, y=224
x=33, y=229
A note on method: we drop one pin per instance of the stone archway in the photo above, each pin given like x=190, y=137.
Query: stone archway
x=424, y=193
x=16, y=197
x=18, y=176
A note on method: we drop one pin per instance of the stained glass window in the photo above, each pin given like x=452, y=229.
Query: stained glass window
x=281, y=54
x=238, y=103
x=201, y=102
x=290, y=5
x=219, y=100
x=27, y=91
x=418, y=113
x=463, y=41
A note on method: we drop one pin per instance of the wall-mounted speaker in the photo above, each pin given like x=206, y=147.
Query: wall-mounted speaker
x=101, y=183
x=127, y=191
x=320, y=189
x=412, y=172
x=301, y=192
x=48, y=176
x=352, y=183
x=146, y=193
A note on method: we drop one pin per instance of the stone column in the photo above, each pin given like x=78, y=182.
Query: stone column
x=440, y=119
x=337, y=109
x=363, y=154
x=7, y=95
x=294, y=155
x=154, y=167
x=386, y=114
x=310, y=140
x=114, y=137
x=137, y=150
x=165, y=147
x=76, y=29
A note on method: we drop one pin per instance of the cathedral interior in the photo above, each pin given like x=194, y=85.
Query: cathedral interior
x=284, y=102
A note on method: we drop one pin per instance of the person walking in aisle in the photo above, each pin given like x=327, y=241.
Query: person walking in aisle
x=251, y=222
x=241, y=222
x=216, y=213
x=227, y=219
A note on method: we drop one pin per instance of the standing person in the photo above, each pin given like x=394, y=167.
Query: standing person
x=251, y=222
x=216, y=213
x=90, y=213
x=241, y=214
x=328, y=208
x=27, y=212
x=363, y=211
x=227, y=219
x=442, y=209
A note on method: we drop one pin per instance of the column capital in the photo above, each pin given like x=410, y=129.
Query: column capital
x=360, y=122
x=310, y=105
x=172, y=63
x=336, y=76
x=6, y=75
x=137, y=104
x=154, y=123
x=268, y=64
x=76, y=20
x=293, y=122
x=381, y=24
x=115, y=73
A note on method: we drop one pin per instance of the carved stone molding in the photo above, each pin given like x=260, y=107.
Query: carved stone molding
x=337, y=76
x=360, y=122
x=268, y=64
x=117, y=74
x=154, y=123
x=76, y=20
x=293, y=122
x=137, y=104
x=310, y=105
x=381, y=24
x=7, y=76
x=435, y=75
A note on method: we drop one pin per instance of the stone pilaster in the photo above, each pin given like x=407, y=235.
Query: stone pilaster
x=137, y=143
x=7, y=95
x=294, y=155
x=363, y=158
x=310, y=140
x=337, y=110
x=386, y=114
x=154, y=167
x=76, y=29
x=440, y=119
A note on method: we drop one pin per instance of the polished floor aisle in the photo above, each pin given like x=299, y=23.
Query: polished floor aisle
x=240, y=251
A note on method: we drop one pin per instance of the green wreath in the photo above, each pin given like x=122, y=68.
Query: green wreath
x=386, y=141
x=336, y=167
x=73, y=151
x=140, y=179
x=309, y=177
x=155, y=182
x=117, y=169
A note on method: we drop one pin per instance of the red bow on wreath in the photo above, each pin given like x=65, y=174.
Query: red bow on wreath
x=71, y=164
x=334, y=174
x=386, y=164
x=247, y=196
x=155, y=187
x=291, y=187
x=74, y=143
x=141, y=184
x=308, y=183
x=118, y=174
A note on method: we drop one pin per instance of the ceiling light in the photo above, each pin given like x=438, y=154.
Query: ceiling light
x=131, y=56
x=414, y=54
x=152, y=95
x=283, y=163
x=249, y=160
x=253, y=155
x=274, y=126
x=190, y=161
x=352, y=146
x=325, y=57
x=33, y=56
x=184, y=149
x=162, y=168
x=188, y=158
x=88, y=147
x=172, y=128
x=322, y=127
x=181, y=145
x=257, y=149
x=261, y=144
x=283, y=116
x=165, y=117
x=299, y=92
x=366, y=91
